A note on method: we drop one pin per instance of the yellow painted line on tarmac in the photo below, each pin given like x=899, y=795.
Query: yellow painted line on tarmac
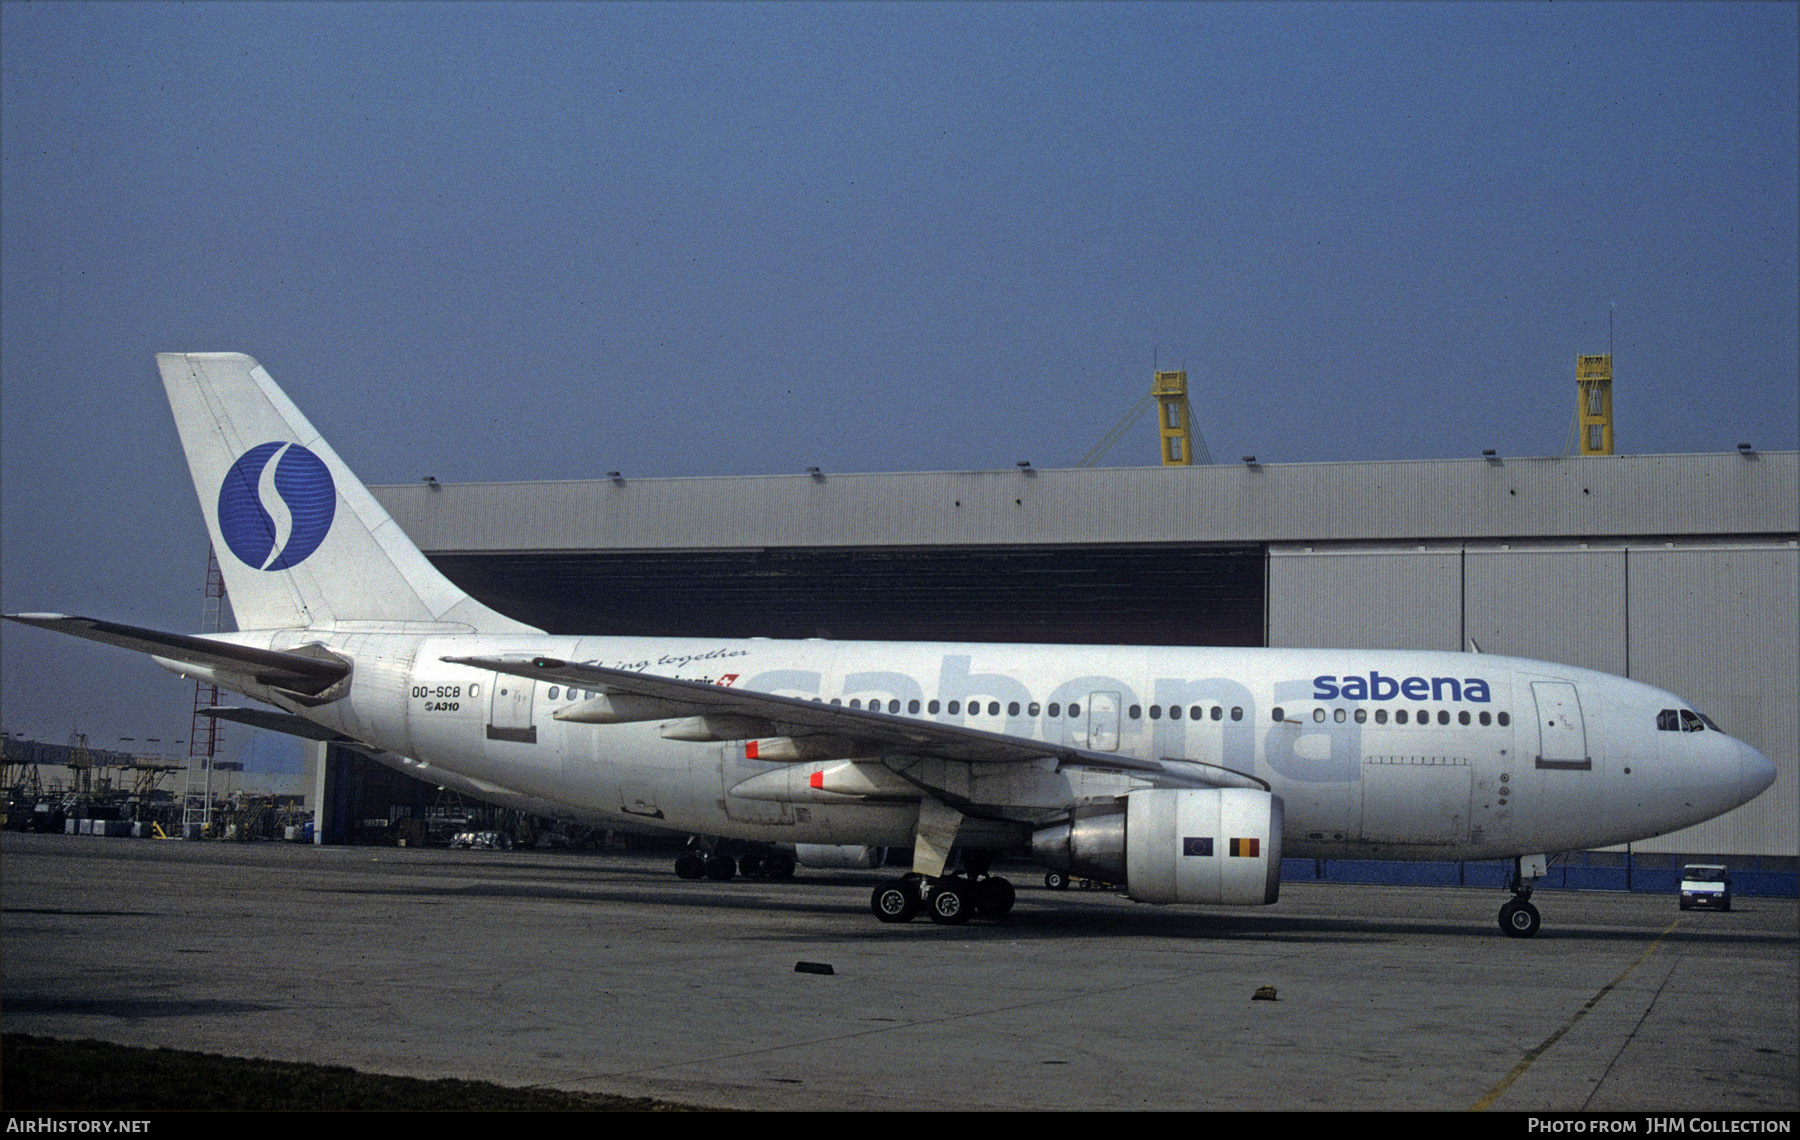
x=1525, y=1062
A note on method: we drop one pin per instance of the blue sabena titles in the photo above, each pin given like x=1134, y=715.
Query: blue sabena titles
x=1376, y=687
x=308, y=498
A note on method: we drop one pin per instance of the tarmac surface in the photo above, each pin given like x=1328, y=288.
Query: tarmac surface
x=603, y=972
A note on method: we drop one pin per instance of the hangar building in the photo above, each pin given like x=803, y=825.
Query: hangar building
x=1678, y=570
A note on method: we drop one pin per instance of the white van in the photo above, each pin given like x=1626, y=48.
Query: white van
x=1705, y=885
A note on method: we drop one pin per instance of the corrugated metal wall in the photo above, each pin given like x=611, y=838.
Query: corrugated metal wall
x=1715, y=623
x=1511, y=593
x=1450, y=500
x=1355, y=598
x=1718, y=625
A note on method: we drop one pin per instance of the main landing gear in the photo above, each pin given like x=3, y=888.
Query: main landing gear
x=1518, y=918
x=717, y=864
x=949, y=900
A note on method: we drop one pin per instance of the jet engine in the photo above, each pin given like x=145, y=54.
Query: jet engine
x=1203, y=845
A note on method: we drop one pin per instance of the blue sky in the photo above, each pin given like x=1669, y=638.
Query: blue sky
x=541, y=241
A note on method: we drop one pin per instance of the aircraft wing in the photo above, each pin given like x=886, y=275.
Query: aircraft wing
x=797, y=716
x=285, y=670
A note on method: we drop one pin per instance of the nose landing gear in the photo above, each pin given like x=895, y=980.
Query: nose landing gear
x=1518, y=918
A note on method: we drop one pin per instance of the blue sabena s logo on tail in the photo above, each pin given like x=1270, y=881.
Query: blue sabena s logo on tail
x=276, y=505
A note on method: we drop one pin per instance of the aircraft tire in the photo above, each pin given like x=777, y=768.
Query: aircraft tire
x=1056, y=880
x=778, y=865
x=753, y=865
x=950, y=903
x=895, y=901
x=720, y=867
x=994, y=897
x=689, y=866
x=1519, y=919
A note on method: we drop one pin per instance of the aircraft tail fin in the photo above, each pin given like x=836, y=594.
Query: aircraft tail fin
x=300, y=540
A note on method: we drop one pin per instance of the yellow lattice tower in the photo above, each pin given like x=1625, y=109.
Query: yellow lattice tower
x=1593, y=409
x=1174, y=418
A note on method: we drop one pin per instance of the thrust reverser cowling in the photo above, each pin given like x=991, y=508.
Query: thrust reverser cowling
x=1207, y=845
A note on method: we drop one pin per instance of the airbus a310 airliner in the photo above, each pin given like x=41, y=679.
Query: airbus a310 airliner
x=1183, y=774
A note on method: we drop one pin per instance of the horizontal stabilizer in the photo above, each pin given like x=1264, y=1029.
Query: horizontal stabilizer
x=282, y=722
x=293, y=671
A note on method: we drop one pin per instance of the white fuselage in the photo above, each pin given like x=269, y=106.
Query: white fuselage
x=1390, y=754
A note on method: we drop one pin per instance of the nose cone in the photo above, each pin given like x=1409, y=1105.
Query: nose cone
x=1755, y=773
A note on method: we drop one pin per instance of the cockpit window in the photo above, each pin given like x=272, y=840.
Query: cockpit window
x=1683, y=720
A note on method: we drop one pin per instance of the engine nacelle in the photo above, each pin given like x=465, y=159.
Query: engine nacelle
x=1205, y=845
x=832, y=855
